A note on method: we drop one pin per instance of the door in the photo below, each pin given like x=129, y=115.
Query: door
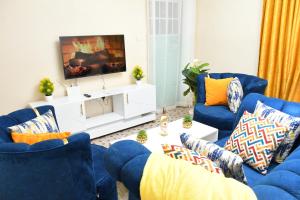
x=69, y=117
x=139, y=100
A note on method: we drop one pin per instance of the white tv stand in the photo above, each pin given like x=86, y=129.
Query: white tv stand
x=132, y=105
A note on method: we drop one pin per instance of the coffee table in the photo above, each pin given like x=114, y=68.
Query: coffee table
x=175, y=128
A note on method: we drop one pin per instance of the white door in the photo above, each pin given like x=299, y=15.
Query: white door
x=69, y=117
x=140, y=100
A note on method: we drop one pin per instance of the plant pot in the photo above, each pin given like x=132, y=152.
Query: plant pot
x=187, y=124
x=49, y=98
x=141, y=140
x=138, y=82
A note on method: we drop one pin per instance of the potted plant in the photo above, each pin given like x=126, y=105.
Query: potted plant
x=142, y=137
x=187, y=121
x=138, y=74
x=191, y=72
x=47, y=88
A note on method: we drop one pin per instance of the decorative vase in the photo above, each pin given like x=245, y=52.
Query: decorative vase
x=49, y=98
x=138, y=82
x=164, y=123
x=141, y=140
x=187, y=124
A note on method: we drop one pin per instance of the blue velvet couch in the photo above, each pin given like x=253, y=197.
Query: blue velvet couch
x=221, y=117
x=50, y=170
x=125, y=160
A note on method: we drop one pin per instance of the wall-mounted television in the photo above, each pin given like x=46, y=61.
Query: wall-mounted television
x=92, y=55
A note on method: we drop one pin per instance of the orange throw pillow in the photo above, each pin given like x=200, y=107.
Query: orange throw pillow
x=216, y=91
x=32, y=138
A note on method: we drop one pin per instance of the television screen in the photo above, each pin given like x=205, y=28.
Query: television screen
x=92, y=55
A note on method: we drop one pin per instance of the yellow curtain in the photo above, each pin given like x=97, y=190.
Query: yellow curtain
x=279, y=60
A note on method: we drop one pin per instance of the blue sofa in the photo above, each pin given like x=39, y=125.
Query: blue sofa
x=50, y=170
x=221, y=117
x=125, y=160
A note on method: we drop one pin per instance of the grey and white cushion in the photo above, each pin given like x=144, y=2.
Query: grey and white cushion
x=230, y=163
x=293, y=124
x=234, y=95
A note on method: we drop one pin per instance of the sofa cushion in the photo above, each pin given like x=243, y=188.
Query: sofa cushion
x=191, y=156
x=18, y=117
x=106, y=185
x=32, y=138
x=250, y=83
x=222, y=141
x=215, y=116
x=230, y=163
x=286, y=181
x=252, y=175
x=256, y=139
x=283, y=181
x=250, y=101
x=234, y=95
x=44, y=123
x=216, y=91
x=287, y=120
x=125, y=160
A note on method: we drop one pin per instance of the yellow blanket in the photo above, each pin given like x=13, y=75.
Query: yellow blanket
x=165, y=178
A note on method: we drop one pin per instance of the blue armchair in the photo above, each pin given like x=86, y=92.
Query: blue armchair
x=51, y=170
x=221, y=117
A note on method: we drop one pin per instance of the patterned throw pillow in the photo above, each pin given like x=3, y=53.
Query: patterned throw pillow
x=291, y=122
x=41, y=124
x=234, y=94
x=231, y=164
x=193, y=157
x=256, y=139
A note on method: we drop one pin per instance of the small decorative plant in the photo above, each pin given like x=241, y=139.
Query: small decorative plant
x=187, y=121
x=137, y=73
x=191, y=72
x=142, y=137
x=46, y=87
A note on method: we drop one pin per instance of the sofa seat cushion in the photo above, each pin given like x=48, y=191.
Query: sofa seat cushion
x=215, y=116
x=106, y=185
x=283, y=181
x=222, y=141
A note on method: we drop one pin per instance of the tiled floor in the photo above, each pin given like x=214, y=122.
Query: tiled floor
x=174, y=114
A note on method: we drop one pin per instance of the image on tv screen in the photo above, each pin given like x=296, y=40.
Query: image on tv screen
x=92, y=55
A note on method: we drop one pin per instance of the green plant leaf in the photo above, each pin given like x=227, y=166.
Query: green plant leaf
x=186, y=92
x=191, y=73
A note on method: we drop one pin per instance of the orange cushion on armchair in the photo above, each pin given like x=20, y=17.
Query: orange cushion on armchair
x=216, y=91
x=32, y=138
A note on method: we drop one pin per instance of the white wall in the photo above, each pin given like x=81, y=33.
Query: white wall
x=29, y=49
x=228, y=34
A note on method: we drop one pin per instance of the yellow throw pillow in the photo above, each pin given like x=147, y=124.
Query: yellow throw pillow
x=216, y=91
x=32, y=138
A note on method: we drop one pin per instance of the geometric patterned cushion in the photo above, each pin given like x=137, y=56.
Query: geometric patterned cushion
x=181, y=153
x=234, y=95
x=41, y=124
x=256, y=139
x=230, y=163
x=291, y=122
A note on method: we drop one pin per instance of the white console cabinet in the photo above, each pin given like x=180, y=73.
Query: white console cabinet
x=132, y=105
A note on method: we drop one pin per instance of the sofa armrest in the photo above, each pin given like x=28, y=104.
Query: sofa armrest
x=125, y=161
